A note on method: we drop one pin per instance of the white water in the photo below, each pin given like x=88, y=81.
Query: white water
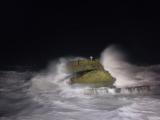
x=48, y=95
x=114, y=60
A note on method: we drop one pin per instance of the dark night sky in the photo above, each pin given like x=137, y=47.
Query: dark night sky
x=36, y=32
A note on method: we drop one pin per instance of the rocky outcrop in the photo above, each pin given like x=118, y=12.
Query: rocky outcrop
x=90, y=73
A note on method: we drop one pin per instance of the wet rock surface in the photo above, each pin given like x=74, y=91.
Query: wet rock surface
x=90, y=72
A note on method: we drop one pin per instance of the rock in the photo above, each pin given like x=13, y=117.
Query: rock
x=90, y=73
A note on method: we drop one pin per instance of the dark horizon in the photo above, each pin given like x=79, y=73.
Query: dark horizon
x=37, y=32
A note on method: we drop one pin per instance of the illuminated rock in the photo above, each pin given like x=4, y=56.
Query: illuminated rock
x=89, y=72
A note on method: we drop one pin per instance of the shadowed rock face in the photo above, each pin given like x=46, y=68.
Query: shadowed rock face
x=90, y=73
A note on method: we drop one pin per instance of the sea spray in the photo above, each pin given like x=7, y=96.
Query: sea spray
x=52, y=97
x=128, y=75
x=55, y=80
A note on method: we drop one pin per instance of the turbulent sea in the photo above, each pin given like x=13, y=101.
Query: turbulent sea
x=47, y=95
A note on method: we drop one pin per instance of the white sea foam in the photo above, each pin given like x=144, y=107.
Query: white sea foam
x=114, y=60
x=49, y=96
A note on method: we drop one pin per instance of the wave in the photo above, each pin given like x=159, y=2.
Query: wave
x=115, y=61
x=47, y=95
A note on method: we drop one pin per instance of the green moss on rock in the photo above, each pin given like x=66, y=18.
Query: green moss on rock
x=84, y=65
x=96, y=78
x=89, y=72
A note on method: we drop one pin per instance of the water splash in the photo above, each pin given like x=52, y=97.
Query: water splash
x=126, y=74
x=48, y=95
x=55, y=79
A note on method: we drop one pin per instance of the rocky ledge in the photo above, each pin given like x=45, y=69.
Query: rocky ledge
x=89, y=72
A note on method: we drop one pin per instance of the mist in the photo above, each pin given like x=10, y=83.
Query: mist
x=115, y=61
x=48, y=94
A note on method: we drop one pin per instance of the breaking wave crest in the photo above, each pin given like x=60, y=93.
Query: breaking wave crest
x=126, y=74
x=47, y=95
x=130, y=79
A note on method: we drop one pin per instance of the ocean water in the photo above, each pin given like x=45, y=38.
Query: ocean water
x=47, y=95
